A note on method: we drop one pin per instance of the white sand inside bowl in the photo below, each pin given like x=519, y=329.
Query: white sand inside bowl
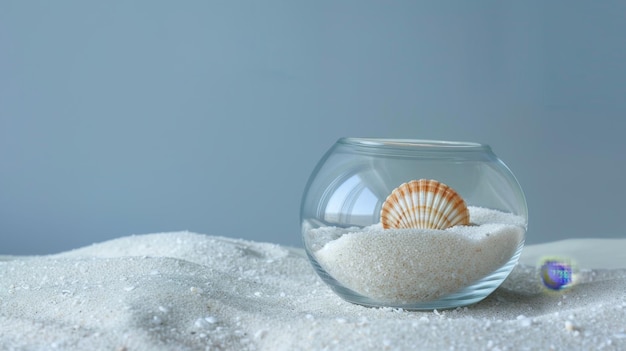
x=415, y=265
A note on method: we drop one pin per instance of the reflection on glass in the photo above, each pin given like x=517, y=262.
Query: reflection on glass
x=352, y=202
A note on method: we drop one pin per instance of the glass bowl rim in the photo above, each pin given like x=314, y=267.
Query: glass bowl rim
x=424, y=144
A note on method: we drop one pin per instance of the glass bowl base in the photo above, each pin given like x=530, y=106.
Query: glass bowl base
x=471, y=294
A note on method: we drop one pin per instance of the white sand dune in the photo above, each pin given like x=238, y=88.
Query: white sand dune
x=585, y=253
x=184, y=291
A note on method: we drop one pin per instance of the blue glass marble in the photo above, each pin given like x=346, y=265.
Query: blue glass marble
x=556, y=275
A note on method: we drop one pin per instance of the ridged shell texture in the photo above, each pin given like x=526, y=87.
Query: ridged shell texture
x=424, y=203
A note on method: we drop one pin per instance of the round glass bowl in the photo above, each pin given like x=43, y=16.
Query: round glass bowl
x=411, y=268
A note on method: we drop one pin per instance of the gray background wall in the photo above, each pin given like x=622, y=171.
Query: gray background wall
x=121, y=117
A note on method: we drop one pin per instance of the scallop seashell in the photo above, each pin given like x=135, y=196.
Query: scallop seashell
x=424, y=203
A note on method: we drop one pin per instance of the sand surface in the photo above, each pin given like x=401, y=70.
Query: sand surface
x=184, y=291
